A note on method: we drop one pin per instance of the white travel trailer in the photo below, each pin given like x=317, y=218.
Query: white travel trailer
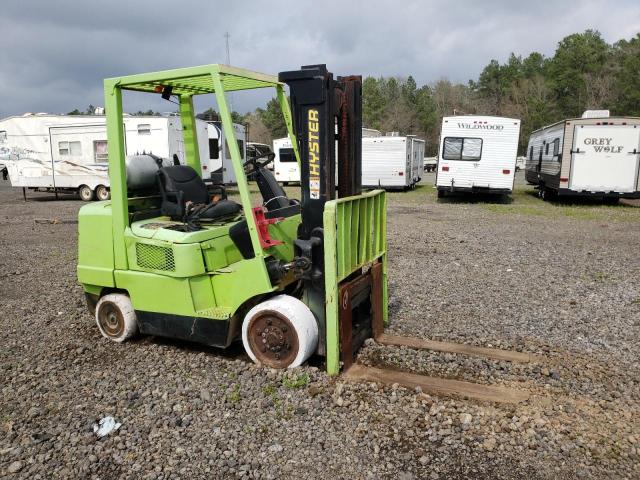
x=595, y=155
x=417, y=158
x=285, y=165
x=68, y=153
x=219, y=156
x=477, y=154
x=391, y=162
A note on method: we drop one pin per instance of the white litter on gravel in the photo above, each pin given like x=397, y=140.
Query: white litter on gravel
x=106, y=426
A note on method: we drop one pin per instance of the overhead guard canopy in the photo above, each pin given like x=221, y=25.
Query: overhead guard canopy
x=196, y=80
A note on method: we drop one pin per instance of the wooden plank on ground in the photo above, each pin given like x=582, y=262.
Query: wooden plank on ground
x=437, y=386
x=450, y=347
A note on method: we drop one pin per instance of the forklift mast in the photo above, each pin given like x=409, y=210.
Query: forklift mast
x=325, y=111
x=327, y=119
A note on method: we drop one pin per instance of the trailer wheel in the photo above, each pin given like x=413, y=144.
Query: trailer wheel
x=280, y=332
x=441, y=193
x=116, y=317
x=547, y=194
x=102, y=193
x=85, y=193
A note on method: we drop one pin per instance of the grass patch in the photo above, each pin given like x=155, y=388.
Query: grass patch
x=234, y=395
x=599, y=276
x=525, y=203
x=296, y=381
x=269, y=389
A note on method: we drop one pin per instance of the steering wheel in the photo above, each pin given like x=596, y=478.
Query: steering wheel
x=256, y=163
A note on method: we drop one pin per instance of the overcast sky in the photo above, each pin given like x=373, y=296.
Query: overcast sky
x=55, y=54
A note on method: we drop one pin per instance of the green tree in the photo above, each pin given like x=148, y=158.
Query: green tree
x=273, y=119
x=627, y=77
x=373, y=103
x=579, y=58
x=209, y=115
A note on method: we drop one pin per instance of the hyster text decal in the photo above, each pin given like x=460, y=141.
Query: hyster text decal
x=314, y=153
x=603, y=145
x=480, y=126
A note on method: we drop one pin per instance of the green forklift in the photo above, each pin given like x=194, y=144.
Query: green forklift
x=171, y=255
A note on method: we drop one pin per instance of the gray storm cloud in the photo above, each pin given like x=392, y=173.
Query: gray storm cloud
x=54, y=55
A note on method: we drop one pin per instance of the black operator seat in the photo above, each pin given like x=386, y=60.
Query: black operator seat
x=273, y=195
x=181, y=185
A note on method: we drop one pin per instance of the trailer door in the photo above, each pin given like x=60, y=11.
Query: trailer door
x=604, y=158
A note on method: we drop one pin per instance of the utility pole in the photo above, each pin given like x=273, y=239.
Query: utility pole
x=226, y=38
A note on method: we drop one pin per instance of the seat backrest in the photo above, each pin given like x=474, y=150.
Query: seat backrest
x=183, y=178
x=273, y=195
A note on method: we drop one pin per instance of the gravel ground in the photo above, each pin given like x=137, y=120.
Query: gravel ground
x=557, y=280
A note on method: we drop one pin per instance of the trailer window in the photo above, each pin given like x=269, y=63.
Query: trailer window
x=531, y=152
x=144, y=129
x=287, y=155
x=472, y=149
x=546, y=149
x=100, y=152
x=69, y=148
x=556, y=147
x=462, y=148
x=452, y=148
x=240, y=147
x=3, y=136
x=214, y=149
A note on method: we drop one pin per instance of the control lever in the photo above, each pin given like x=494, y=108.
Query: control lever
x=299, y=265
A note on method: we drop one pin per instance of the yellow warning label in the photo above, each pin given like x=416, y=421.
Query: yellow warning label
x=314, y=153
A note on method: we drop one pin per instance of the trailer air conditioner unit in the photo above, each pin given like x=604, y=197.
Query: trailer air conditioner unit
x=595, y=114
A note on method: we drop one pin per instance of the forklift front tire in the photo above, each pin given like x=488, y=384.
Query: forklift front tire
x=280, y=332
x=116, y=317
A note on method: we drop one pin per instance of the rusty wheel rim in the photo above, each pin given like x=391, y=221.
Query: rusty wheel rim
x=273, y=339
x=111, y=320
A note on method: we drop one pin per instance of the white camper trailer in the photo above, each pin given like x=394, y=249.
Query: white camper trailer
x=391, y=162
x=477, y=154
x=595, y=155
x=285, y=165
x=68, y=153
x=219, y=156
x=417, y=156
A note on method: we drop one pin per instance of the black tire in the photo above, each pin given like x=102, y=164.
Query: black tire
x=85, y=193
x=547, y=194
x=441, y=193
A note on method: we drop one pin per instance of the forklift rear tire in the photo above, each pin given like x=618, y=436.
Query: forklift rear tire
x=280, y=332
x=85, y=193
x=116, y=317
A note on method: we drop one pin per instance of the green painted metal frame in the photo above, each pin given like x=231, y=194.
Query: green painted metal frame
x=355, y=235
x=185, y=82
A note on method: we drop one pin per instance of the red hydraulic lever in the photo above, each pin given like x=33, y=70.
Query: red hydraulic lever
x=263, y=228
